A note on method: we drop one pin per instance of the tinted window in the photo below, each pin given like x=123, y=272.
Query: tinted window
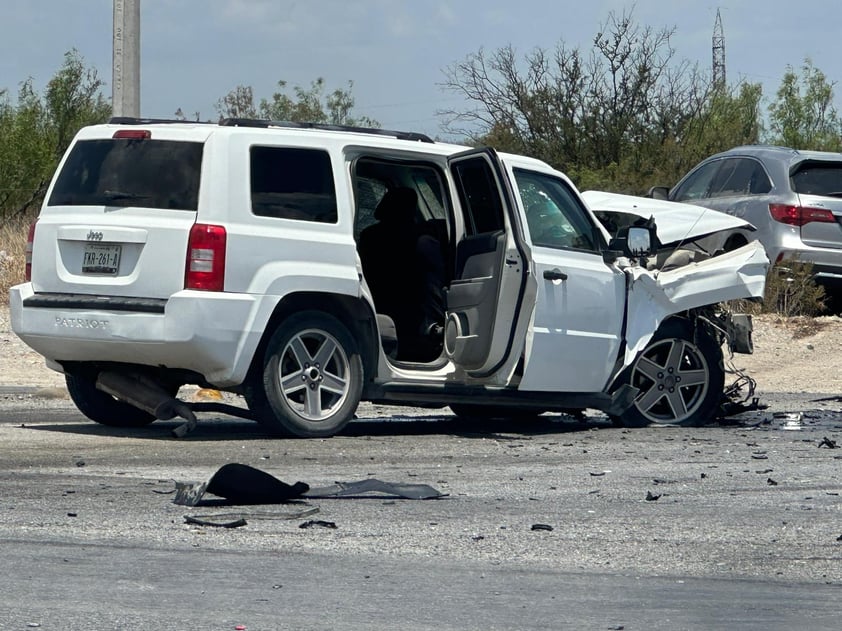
x=291, y=183
x=697, y=184
x=818, y=178
x=554, y=214
x=130, y=172
x=740, y=176
x=479, y=196
x=369, y=194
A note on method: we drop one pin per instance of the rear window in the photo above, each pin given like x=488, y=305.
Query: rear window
x=292, y=183
x=130, y=172
x=818, y=178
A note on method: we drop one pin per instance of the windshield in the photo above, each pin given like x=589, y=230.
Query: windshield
x=130, y=172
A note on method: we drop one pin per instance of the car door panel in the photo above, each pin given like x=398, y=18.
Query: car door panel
x=576, y=330
x=489, y=289
x=574, y=337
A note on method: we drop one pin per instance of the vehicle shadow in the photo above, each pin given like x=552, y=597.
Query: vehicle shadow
x=221, y=428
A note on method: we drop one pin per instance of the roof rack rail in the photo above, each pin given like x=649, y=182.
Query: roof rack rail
x=255, y=122
x=131, y=120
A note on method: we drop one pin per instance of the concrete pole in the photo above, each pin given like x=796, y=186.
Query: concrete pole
x=125, y=84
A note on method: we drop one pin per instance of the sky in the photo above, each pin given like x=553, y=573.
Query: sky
x=193, y=52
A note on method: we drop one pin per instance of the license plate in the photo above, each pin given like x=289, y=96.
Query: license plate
x=101, y=258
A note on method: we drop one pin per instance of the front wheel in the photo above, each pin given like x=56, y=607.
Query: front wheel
x=680, y=377
x=312, y=377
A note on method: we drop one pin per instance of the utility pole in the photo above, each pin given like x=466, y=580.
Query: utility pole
x=718, y=53
x=125, y=83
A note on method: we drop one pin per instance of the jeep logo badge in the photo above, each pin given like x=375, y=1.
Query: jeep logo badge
x=94, y=236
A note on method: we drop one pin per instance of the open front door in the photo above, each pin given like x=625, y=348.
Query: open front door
x=489, y=285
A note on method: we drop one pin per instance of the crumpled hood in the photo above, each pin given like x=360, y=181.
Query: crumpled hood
x=656, y=295
x=675, y=221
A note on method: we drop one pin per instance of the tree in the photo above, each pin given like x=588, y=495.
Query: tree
x=600, y=115
x=730, y=117
x=238, y=103
x=35, y=132
x=803, y=115
x=310, y=105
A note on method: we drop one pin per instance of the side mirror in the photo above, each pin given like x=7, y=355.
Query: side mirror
x=658, y=192
x=639, y=241
x=636, y=241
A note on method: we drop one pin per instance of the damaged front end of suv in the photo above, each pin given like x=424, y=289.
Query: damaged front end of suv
x=679, y=370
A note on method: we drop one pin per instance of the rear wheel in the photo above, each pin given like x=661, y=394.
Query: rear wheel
x=680, y=378
x=101, y=407
x=312, y=377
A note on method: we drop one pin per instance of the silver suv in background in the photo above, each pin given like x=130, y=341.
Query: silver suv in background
x=792, y=197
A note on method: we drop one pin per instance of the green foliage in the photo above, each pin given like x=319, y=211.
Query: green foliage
x=622, y=116
x=310, y=105
x=36, y=130
x=803, y=115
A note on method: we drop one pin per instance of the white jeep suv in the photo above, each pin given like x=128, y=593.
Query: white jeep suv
x=307, y=268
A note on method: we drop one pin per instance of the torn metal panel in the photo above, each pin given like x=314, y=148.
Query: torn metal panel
x=242, y=484
x=655, y=295
x=236, y=520
x=189, y=493
x=394, y=489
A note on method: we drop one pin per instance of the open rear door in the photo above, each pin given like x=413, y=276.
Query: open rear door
x=489, y=286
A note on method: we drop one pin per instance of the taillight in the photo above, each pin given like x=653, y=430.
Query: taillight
x=205, y=258
x=27, y=256
x=800, y=215
x=133, y=134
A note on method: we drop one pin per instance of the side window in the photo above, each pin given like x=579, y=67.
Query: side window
x=697, y=184
x=479, y=196
x=373, y=177
x=555, y=216
x=292, y=183
x=369, y=194
x=740, y=176
x=431, y=193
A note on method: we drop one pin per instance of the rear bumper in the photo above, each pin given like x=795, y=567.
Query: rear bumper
x=830, y=277
x=205, y=332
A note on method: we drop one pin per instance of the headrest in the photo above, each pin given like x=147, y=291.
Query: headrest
x=397, y=205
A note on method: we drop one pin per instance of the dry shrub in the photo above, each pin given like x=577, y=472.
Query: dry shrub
x=792, y=291
x=13, y=233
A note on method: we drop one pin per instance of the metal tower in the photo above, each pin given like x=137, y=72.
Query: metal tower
x=718, y=53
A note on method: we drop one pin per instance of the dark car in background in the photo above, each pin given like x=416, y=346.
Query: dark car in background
x=792, y=197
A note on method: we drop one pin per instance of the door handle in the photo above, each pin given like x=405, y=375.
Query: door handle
x=554, y=274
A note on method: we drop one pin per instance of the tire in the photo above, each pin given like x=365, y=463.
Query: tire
x=101, y=407
x=680, y=376
x=312, y=378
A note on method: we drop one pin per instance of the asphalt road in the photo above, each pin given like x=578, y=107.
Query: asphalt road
x=733, y=526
